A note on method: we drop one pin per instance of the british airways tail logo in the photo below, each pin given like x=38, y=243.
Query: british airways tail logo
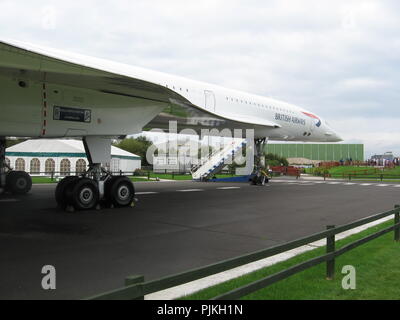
x=317, y=120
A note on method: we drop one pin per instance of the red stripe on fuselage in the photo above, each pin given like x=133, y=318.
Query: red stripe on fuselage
x=310, y=115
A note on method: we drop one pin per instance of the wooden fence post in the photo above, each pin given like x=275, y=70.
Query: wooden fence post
x=397, y=220
x=330, y=247
x=136, y=279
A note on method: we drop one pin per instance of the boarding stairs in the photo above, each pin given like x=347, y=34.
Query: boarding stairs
x=216, y=161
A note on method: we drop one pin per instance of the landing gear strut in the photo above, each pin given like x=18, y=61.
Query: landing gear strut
x=259, y=176
x=15, y=182
x=96, y=187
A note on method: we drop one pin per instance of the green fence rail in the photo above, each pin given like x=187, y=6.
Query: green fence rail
x=380, y=176
x=136, y=287
x=361, y=176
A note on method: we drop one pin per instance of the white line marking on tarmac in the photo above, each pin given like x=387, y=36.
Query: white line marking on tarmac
x=396, y=186
x=147, y=192
x=334, y=182
x=382, y=185
x=365, y=184
x=349, y=183
x=228, y=188
x=300, y=184
x=190, y=190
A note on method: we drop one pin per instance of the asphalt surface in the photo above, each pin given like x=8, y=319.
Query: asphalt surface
x=174, y=226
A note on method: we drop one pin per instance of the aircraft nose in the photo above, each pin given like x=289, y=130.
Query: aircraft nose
x=338, y=138
x=333, y=136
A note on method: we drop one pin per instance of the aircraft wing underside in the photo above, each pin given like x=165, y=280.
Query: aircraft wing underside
x=24, y=61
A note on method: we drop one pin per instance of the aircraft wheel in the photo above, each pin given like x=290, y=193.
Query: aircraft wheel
x=18, y=182
x=84, y=194
x=120, y=191
x=60, y=193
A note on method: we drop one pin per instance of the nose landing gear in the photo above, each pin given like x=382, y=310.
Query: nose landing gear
x=259, y=176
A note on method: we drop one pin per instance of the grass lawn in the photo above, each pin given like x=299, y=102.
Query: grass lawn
x=43, y=180
x=40, y=180
x=135, y=179
x=363, y=173
x=377, y=274
x=169, y=176
x=182, y=176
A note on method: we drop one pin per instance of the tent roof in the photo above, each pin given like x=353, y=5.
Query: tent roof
x=59, y=146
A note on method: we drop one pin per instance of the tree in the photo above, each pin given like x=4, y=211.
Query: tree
x=137, y=146
x=275, y=160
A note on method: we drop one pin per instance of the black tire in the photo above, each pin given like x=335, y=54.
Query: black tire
x=18, y=182
x=61, y=197
x=120, y=191
x=84, y=194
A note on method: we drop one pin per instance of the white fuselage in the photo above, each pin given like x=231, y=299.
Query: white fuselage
x=36, y=83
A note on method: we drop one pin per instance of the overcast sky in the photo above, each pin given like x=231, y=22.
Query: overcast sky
x=339, y=59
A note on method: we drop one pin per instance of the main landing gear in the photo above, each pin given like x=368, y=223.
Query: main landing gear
x=15, y=182
x=95, y=188
x=86, y=192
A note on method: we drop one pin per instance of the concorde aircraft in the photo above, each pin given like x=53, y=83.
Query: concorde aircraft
x=49, y=93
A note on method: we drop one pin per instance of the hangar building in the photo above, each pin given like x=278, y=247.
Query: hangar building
x=63, y=157
x=318, y=151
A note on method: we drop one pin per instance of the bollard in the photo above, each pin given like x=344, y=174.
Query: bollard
x=330, y=247
x=396, y=221
x=136, y=279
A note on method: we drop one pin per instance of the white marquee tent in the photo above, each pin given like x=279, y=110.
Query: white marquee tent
x=63, y=157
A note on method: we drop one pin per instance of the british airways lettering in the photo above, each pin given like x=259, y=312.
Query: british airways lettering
x=289, y=118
